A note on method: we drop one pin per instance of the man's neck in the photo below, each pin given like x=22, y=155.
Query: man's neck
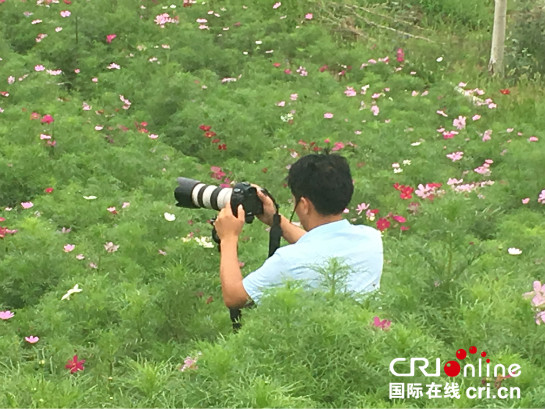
x=321, y=220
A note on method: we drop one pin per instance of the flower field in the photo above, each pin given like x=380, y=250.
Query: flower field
x=110, y=294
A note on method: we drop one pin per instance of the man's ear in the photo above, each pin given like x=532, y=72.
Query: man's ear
x=306, y=205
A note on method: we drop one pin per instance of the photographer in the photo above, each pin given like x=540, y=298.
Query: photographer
x=322, y=187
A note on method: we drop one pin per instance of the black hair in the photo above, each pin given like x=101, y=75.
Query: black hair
x=324, y=179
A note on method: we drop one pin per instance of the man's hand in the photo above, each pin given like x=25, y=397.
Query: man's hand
x=227, y=225
x=269, y=209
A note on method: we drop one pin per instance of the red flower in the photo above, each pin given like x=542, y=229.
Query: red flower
x=48, y=190
x=215, y=140
x=399, y=219
x=2, y=219
x=505, y=91
x=276, y=64
x=205, y=128
x=383, y=224
x=74, y=365
x=322, y=68
x=210, y=134
x=287, y=71
x=222, y=147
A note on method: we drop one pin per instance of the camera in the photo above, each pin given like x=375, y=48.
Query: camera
x=192, y=193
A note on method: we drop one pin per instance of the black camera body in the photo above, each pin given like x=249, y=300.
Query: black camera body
x=246, y=195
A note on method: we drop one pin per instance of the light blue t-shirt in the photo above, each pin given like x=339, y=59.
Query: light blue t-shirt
x=359, y=247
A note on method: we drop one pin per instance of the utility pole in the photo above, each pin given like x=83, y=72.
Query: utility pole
x=496, y=66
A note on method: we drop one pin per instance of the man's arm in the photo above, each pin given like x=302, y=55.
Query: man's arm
x=228, y=228
x=234, y=294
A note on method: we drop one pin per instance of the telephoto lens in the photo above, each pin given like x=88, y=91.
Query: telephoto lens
x=194, y=194
x=191, y=193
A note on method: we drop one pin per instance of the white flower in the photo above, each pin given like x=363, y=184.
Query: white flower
x=514, y=251
x=170, y=217
x=73, y=290
x=90, y=197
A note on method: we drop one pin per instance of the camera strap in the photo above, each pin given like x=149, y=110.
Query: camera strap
x=275, y=234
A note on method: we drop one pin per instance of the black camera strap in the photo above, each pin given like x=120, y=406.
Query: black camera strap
x=275, y=234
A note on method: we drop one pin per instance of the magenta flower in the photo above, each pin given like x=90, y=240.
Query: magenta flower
x=384, y=324
x=74, y=365
x=65, y=13
x=6, y=315
x=110, y=37
x=400, y=55
x=309, y=16
x=27, y=205
x=47, y=119
x=32, y=339
x=328, y=115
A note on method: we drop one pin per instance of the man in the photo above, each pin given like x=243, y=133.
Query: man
x=322, y=187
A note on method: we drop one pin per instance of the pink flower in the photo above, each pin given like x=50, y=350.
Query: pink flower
x=32, y=339
x=328, y=115
x=441, y=112
x=459, y=123
x=338, y=146
x=153, y=136
x=476, y=117
x=276, y=5
x=281, y=103
x=533, y=139
x=47, y=119
x=399, y=219
x=384, y=324
x=526, y=200
x=111, y=247
x=110, y=37
x=361, y=207
x=486, y=135
x=455, y=156
x=69, y=247
x=27, y=205
x=65, y=13
x=189, y=363
x=308, y=16
x=375, y=110
x=112, y=210
x=162, y=252
x=541, y=198
x=350, y=92
x=6, y=315
x=540, y=317
x=294, y=97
